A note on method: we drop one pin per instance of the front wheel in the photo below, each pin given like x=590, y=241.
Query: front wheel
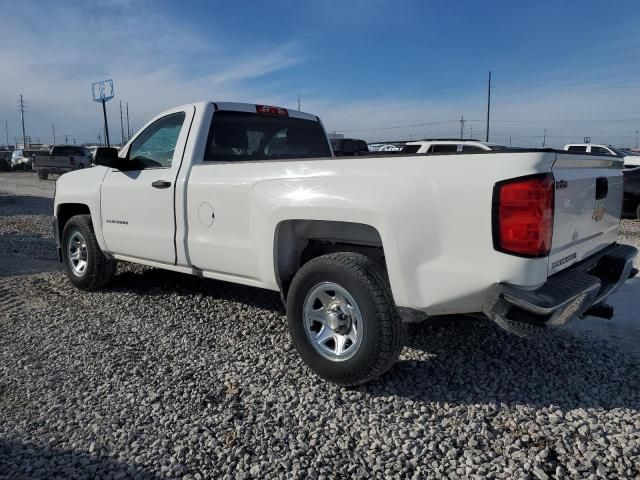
x=42, y=175
x=342, y=318
x=84, y=263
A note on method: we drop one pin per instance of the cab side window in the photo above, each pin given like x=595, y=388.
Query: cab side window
x=443, y=147
x=577, y=148
x=600, y=151
x=154, y=147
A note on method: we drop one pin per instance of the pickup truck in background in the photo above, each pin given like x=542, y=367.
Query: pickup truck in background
x=60, y=159
x=630, y=159
x=252, y=194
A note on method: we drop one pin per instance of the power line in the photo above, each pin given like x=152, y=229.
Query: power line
x=396, y=126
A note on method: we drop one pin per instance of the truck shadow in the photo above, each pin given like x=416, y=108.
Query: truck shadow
x=143, y=280
x=460, y=359
x=472, y=361
x=21, y=460
x=25, y=205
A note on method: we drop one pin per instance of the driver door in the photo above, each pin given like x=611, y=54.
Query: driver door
x=137, y=199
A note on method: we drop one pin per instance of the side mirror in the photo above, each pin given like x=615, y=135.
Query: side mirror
x=105, y=156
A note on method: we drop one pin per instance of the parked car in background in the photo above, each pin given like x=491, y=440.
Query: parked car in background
x=60, y=159
x=23, y=159
x=5, y=160
x=450, y=145
x=252, y=194
x=629, y=158
x=348, y=147
x=631, y=202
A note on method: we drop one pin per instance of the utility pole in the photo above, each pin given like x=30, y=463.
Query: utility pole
x=53, y=128
x=471, y=135
x=544, y=138
x=106, y=125
x=462, y=122
x=121, y=126
x=24, y=136
x=6, y=130
x=128, y=129
x=488, y=104
x=99, y=139
x=66, y=139
x=636, y=139
x=298, y=102
x=509, y=140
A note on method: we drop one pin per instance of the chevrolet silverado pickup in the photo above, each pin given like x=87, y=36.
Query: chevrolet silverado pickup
x=253, y=194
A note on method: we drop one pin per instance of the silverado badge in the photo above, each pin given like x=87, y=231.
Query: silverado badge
x=598, y=213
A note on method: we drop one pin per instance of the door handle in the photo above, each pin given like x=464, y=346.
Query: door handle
x=161, y=184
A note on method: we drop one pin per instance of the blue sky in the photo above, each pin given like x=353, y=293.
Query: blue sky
x=371, y=69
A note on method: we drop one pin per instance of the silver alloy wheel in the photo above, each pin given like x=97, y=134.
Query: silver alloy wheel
x=332, y=321
x=77, y=253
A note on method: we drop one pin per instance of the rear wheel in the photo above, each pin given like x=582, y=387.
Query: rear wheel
x=42, y=175
x=84, y=263
x=342, y=318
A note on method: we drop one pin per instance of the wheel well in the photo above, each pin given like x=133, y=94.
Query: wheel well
x=68, y=210
x=298, y=241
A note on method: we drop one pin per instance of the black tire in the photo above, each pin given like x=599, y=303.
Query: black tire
x=42, y=175
x=99, y=269
x=382, y=332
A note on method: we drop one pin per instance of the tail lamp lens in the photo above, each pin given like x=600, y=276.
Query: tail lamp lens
x=523, y=215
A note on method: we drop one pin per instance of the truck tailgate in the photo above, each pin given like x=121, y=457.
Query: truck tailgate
x=588, y=204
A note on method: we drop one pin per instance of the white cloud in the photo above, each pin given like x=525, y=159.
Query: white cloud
x=155, y=62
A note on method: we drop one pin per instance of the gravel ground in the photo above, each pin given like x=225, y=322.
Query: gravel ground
x=168, y=376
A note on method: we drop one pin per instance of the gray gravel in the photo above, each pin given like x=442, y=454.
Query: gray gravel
x=168, y=376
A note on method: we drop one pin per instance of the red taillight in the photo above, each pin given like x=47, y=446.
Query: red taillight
x=272, y=110
x=523, y=215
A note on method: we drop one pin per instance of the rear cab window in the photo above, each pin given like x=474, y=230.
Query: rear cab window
x=243, y=136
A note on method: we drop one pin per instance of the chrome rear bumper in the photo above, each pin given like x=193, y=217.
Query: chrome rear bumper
x=566, y=295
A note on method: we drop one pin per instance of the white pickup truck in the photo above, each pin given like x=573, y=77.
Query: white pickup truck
x=252, y=194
